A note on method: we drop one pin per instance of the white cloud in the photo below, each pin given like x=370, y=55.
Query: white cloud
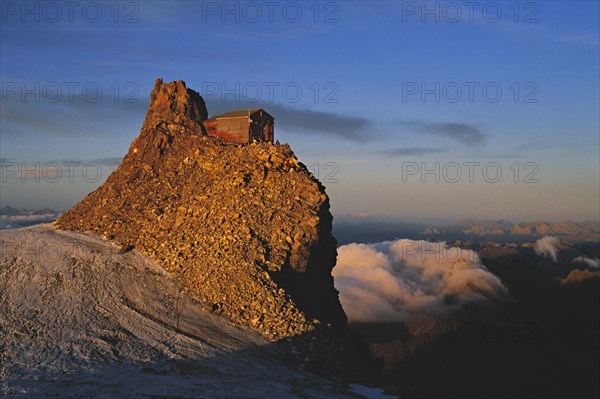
x=593, y=263
x=16, y=221
x=547, y=246
x=407, y=280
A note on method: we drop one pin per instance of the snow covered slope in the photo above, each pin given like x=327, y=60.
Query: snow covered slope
x=80, y=319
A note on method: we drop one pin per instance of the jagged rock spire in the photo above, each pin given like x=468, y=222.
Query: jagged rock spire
x=174, y=104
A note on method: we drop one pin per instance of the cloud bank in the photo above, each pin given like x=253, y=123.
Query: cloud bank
x=406, y=280
x=353, y=128
x=593, y=263
x=17, y=221
x=465, y=133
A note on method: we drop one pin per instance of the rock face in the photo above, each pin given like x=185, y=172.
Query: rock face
x=247, y=229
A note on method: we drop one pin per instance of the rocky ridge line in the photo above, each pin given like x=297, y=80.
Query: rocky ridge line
x=246, y=228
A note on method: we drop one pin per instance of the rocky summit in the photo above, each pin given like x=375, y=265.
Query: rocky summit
x=245, y=228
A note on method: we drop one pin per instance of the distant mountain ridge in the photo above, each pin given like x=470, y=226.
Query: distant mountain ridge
x=467, y=229
x=582, y=231
x=10, y=211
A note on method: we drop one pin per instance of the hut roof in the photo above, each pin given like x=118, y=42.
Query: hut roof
x=237, y=113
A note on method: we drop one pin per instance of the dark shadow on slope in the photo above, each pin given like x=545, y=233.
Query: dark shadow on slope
x=321, y=300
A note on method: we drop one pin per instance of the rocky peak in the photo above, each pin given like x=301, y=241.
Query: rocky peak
x=174, y=119
x=246, y=228
x=174, y=103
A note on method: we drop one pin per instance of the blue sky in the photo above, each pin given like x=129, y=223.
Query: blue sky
x=516, y=93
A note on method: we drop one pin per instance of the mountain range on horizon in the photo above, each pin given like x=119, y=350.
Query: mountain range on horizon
x=503, y=227
x=467, y=229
